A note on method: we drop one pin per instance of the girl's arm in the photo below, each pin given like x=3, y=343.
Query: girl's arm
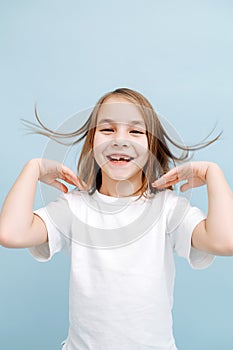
x=19, y=226
x=215, y=234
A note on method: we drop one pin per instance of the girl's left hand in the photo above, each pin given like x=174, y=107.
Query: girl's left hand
x=194, y=173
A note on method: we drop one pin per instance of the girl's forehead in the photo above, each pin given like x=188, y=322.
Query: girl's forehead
x=119, y=110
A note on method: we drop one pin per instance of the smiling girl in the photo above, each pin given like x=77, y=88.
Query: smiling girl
x=121, y=225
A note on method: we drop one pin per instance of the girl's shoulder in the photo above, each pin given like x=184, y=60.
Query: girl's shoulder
x=172, y=196
x=167, y=195
x=75, y=195
x=172, y=202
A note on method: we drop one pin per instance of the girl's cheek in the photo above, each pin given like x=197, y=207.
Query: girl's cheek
x=98, y=139
x=98, y=151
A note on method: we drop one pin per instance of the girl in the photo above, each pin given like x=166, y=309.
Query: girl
x=121, y=224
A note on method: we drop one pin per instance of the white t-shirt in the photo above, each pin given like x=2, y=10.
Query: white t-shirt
x=122, y=265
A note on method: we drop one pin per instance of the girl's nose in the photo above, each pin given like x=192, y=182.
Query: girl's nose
x=117, y=142
x=120, y=140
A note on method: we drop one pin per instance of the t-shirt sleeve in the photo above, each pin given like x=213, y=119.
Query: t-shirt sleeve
x=57, y=218
x=182, y=219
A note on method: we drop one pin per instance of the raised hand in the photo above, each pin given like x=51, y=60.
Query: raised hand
x=194, y=173
x=50, y=171
x=19, y=226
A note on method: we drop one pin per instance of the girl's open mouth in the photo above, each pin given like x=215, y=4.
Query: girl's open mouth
x=119, y=159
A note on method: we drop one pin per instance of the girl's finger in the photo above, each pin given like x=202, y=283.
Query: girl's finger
x=70, y=181
x=185, y=187
x=68, y=172
x=70, y=178
x=165, y=184
x=167, y=178
x=181, y=171
x=60, y=186
x=73, y=178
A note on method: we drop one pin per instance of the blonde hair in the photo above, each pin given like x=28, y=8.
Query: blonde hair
x=160, y=155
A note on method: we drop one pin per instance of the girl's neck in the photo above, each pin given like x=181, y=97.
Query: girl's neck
x=123, y=188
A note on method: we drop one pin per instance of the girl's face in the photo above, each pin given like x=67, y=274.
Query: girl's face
x=120, y=142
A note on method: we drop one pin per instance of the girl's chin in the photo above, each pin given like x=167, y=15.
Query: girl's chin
x=119, y=164
x=122, y=174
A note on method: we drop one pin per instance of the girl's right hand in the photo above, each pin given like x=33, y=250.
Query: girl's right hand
x=51, y=170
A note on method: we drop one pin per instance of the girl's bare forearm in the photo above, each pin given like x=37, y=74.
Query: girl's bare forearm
x=219, y=222
x=17, y=210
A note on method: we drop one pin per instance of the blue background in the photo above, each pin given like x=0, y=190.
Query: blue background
x=64, y=55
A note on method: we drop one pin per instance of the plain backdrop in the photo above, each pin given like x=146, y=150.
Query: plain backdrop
x=63, y=55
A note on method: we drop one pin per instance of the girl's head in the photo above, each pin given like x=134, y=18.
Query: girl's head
x=124, y=142
x=123, y=123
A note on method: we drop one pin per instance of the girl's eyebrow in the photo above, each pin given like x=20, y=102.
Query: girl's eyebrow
x=111, y=121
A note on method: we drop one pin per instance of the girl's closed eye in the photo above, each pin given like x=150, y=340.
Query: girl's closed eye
x=137, y=132
x=107, y=130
